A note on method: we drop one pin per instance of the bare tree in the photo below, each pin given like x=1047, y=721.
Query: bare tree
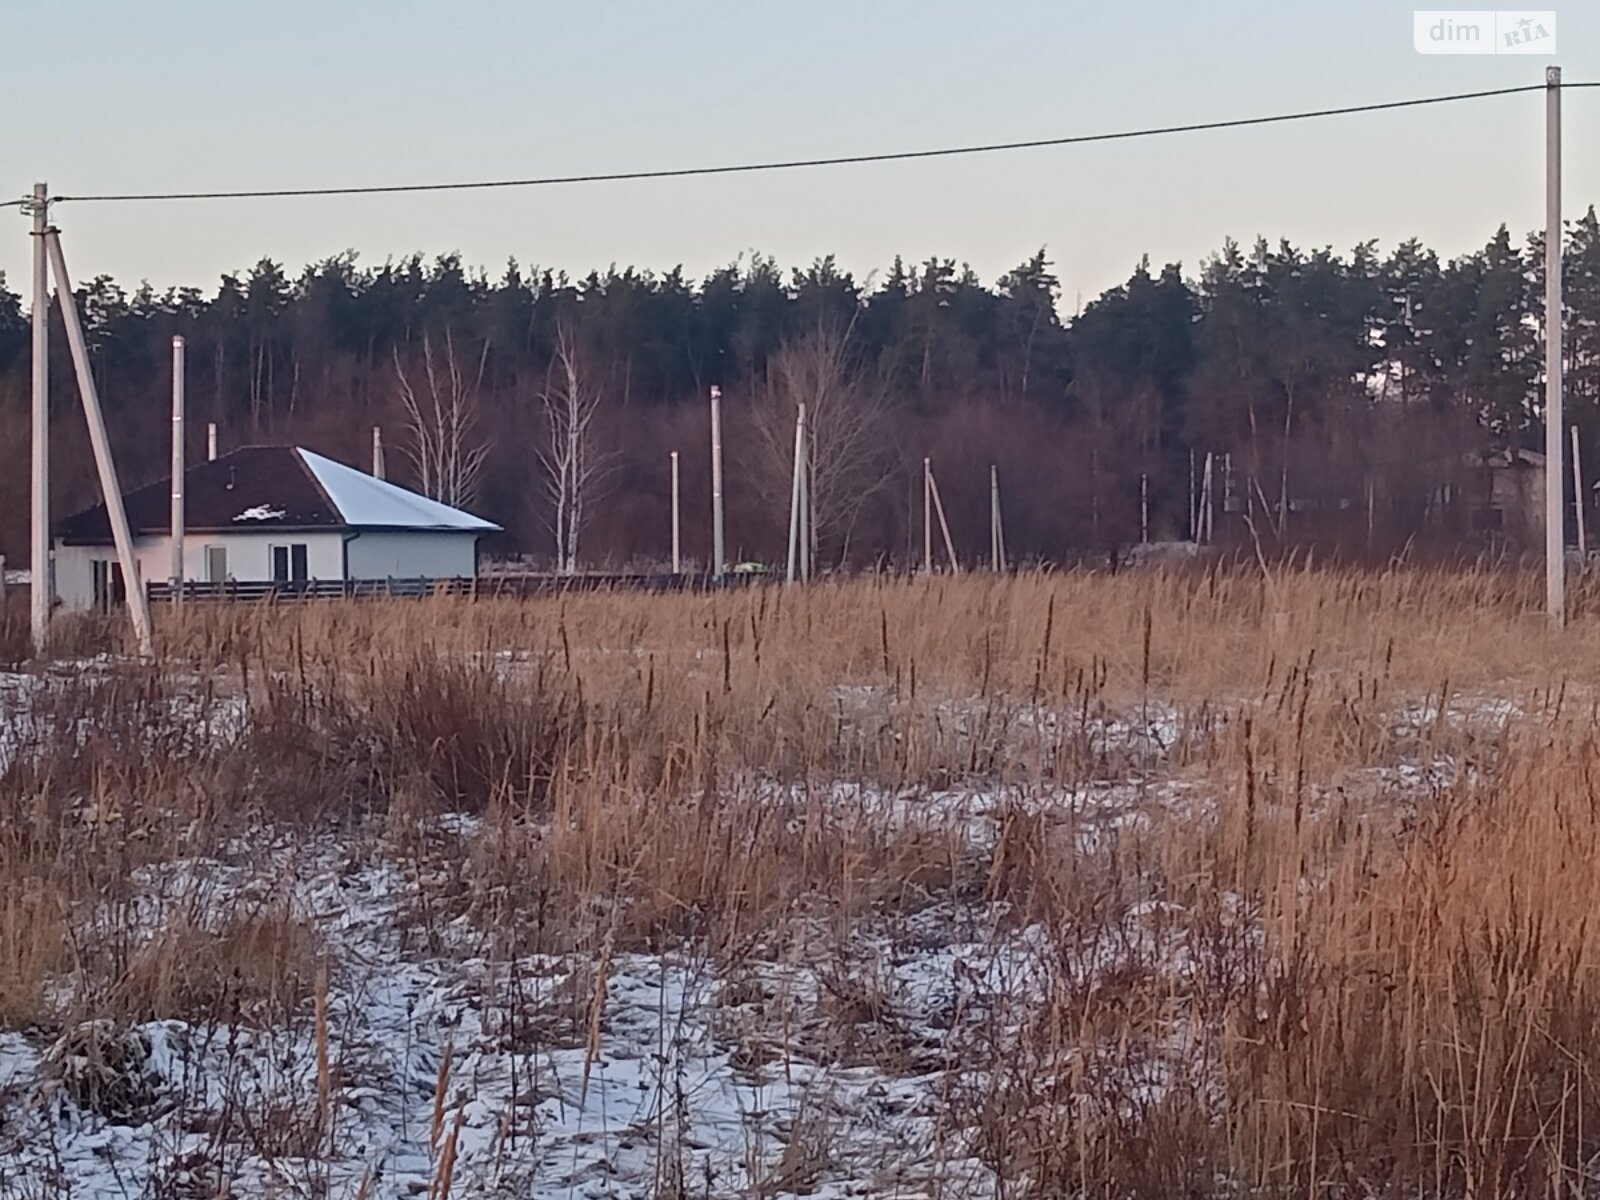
x=574, y=469
x=846, y=405
x=442, y=422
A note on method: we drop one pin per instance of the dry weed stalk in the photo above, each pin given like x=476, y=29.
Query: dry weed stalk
x=1312, y=897
x=324, y=1075
x=439, y=1189
x=441, y=1090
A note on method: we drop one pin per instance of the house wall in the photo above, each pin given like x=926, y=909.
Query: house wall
x=1518, y=493
x=375, y=554
x=74, y=583
x=249, y=560
x=372, y=555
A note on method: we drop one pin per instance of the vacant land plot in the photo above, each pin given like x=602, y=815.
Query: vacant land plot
x=1148, y=885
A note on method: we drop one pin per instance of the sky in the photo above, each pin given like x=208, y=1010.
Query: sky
x=189, y=95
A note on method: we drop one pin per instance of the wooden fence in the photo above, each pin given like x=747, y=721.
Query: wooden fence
x=509, y=584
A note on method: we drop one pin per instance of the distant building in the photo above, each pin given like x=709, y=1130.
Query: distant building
x=270, y=514
x=1509, y=497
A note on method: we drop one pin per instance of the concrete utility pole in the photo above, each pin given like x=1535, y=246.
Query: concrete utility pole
x=377, y=452
x=1226, y=466
x=177, y=470
x=39, y=585
x=997, y=533
x=1577, y=496
x=927, y=516
x=1555, y=508
x=797, y=495
x=944, y=525
x=677, y=558
x=1194, y=500
x=138, y=603
x=808, y=533
x=718, y=558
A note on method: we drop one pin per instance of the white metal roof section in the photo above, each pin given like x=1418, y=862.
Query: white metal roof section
x=368, y=502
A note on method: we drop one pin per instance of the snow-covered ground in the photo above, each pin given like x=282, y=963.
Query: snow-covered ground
x=565, y=1077
x=37, y=708
x=816, y=1060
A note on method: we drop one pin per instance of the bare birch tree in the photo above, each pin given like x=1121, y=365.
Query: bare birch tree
x=574, y=469
x=441, y=420
x=846, y=405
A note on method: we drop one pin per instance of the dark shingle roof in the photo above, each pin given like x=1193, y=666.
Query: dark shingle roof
x=257, y=487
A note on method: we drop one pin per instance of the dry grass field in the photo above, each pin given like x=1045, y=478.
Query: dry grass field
x=1147, y=885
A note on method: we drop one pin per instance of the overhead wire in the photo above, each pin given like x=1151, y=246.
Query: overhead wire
x=746, y=168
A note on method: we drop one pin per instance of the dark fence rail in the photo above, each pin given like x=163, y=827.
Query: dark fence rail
x=506, y=584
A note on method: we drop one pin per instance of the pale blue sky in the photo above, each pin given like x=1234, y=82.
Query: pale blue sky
x=182, y=94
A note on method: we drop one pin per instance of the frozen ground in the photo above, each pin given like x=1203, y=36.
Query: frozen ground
x=659, y=1072
x=37, y=709
x=814, y=1062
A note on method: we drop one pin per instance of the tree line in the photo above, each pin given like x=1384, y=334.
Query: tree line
x=1350, y=394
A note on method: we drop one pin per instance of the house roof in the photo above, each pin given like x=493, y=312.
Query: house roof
x=274, y=487
x=1511, y=457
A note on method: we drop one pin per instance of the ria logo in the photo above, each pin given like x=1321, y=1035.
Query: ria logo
x=1527, y=31
x=1483, y=31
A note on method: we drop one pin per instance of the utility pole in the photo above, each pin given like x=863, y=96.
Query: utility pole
x=808, y=532
x=677, y=558
x=1194, y=501
x=797, y=496
x=1577, y=495
x=1555, y=548
x=944, y=526
x=997, y=533
x=177, y=471
x=377, y=452
x=927, y=515
x=138, y=603
x=1144, y=509
x=39, y=585
x=718, y=558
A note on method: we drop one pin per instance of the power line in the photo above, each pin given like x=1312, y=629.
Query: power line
x=799, y=163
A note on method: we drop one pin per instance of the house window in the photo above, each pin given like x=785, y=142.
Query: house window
x=216, y=564
x=289, y=563
x=108, y=586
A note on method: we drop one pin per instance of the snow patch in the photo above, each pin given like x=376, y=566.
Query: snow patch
x=693, y=1079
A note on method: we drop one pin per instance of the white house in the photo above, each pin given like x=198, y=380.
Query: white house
x=271, y=514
